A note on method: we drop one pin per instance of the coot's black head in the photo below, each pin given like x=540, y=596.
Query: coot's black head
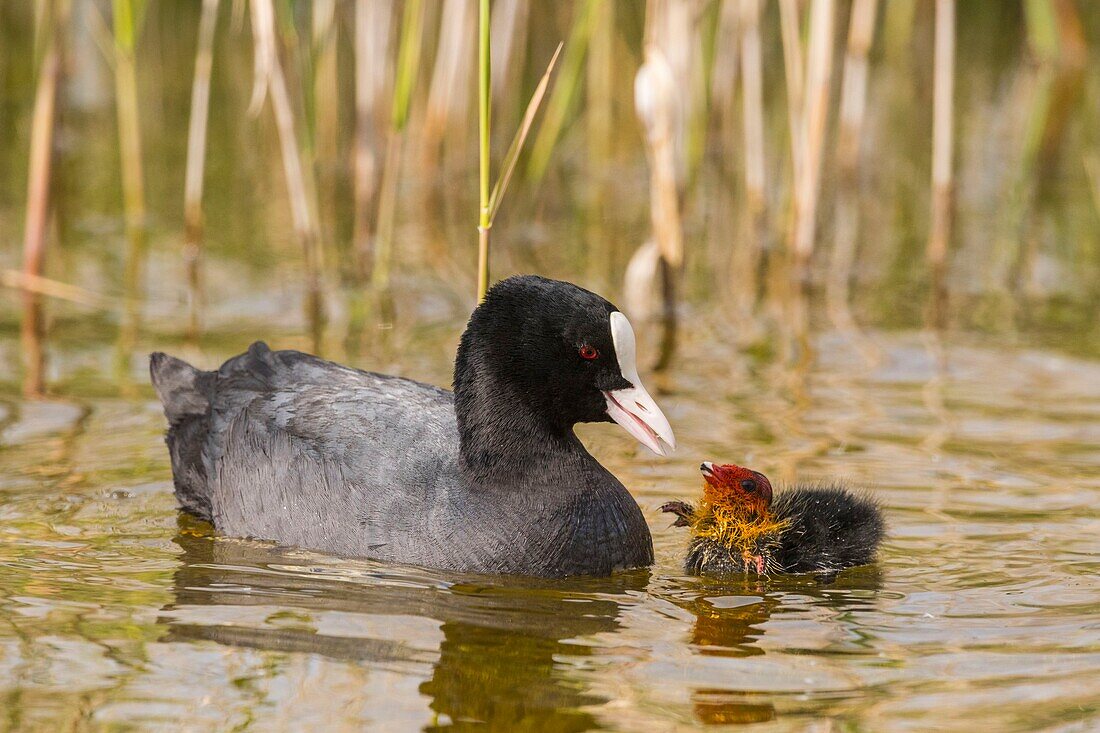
x=561, y=354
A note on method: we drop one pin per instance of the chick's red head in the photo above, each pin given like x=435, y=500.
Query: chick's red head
x=731, y=485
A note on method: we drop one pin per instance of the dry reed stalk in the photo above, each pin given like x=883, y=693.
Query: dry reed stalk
x=126, y=17
x=655, y=103
x=853, y=105
x=53, y=19
x=271, y=80
x=727, y=59
x=942, y=140
x=508, y=38
x=196, y=159
x=752, y=100
x=448, y=97
x=565, y=91
x=600, y=90
x=34, y=285
x=325, y=112
x=819, y=63
x=795, y=70
x=408, y=67
x=40, y=164
x=654, y=100
x=372, y=43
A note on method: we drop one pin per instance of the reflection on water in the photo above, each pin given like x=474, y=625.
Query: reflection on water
x=498, y=639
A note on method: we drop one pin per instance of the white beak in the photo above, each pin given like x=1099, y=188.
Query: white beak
x=632, y=407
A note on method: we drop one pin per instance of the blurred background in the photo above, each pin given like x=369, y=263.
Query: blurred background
x=858, y=238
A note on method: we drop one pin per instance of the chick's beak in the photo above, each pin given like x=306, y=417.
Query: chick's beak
x=632, y=407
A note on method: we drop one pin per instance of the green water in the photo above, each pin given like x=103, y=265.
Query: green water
x=982, y=441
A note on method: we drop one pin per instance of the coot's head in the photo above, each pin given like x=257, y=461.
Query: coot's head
x=559, y=355
x=730, y=485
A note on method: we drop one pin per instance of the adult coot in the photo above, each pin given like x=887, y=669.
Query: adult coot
x=737, y=528
x=286, y=446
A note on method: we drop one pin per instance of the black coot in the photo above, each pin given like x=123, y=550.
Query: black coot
x=285, y=446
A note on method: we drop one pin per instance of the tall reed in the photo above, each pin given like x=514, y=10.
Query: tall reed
x=853, y=105
x=407, y=71
x=795, y=71
x=819, y=65
x=564, y=95
x=372, y=44
x=489, y=200
x=127, y=19
x=942, y=142
x=448, y=96
x=271, y=81
x=752, y=101
x=484, y=118
x=196, y=160
x=53, y=16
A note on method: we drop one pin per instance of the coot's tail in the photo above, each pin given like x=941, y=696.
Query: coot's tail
x=185, y=393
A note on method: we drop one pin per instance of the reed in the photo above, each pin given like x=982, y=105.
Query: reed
x=127, y=18
x=196, y=160
x=794, y=69
x=324, y=108
x=484, y=118
x=853, y=105
x=52, y=18
x=372, y=42
x=752, y=101
x=942, y=144
x=565, y=91
x=813, y=119
x=447, y=96
x=490, y=200
x=270, y=81
x=508, y=34
x=407, y=71
x=655, y=103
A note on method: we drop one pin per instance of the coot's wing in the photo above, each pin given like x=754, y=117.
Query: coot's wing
x=348, y=470
x=289, y=447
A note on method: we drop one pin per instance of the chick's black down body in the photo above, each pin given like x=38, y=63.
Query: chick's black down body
x=831, y=528
x=284, y=446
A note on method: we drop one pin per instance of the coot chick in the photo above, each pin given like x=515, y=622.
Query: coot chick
x=284, y=446
x=738, y=528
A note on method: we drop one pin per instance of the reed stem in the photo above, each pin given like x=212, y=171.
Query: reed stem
x=270, y=66
x=484, y=99
x=942, y=137
x=819, y=63
x=53, y=17
x=196, y=159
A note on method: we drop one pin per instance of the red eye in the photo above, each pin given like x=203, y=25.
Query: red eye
x=589, y=352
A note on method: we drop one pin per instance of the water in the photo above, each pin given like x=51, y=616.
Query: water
x=118, y=611
x=981, y=441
